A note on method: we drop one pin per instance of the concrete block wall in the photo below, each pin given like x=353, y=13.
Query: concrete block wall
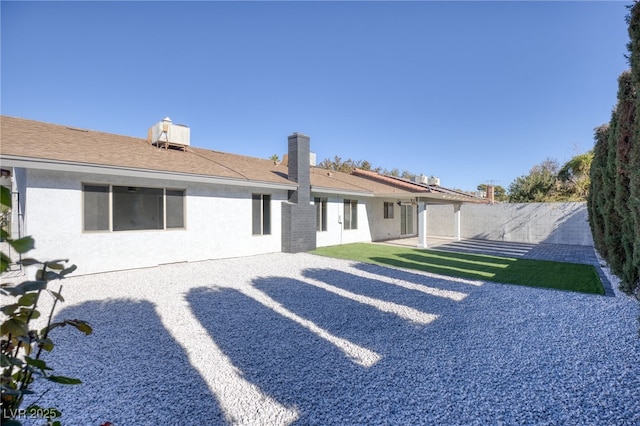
x=298, y=214
x=298, y=227
x=553, y=223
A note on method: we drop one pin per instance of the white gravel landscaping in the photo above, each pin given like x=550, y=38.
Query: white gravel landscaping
x=303, y=339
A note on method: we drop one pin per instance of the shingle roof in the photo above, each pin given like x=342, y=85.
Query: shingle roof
x=329, y=179
x=434, y=192
x=36, y=141
x=389, y=180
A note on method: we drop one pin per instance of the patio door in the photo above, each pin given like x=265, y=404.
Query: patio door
x=406, y=220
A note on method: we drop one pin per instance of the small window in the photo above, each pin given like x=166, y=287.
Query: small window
x=350, y=214
x=261, y=214
x=174, y=208
x=321, y=214
x=96, y=207
x=388, y=210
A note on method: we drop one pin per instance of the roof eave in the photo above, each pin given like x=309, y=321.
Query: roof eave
x=66, y=166
x=433, y=198
x=335, y=191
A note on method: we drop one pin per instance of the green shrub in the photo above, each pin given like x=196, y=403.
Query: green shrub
x=21, y=345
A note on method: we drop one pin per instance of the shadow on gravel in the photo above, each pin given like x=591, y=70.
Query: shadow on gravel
x=359, y=323
x=298, y=368
x=442, y=282
x=432, y=304
x=133, y=371
x=510, y=367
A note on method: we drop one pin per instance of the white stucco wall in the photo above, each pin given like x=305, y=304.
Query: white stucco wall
x=553, y=223
x=372, y=226
x=217, y=224
x=335, y=234
x=386, y=229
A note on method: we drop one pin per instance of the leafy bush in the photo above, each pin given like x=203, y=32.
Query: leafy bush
x=21, y=346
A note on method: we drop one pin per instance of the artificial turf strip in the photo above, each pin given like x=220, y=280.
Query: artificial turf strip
x=527, y=272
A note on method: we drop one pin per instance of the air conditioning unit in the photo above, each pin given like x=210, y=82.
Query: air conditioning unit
x=434, y=181
x=421, y=179
x=166, y=133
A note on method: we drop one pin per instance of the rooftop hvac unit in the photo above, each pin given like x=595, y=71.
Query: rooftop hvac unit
x=421, y=179
x=434, y=181
x=167, y=134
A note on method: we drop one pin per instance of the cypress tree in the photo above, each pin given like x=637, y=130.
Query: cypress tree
x=633, y=20
x=623, y=140
x=596, y=198
x=612, y=225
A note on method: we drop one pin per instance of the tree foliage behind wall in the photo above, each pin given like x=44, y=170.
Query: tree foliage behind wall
x=548, y=182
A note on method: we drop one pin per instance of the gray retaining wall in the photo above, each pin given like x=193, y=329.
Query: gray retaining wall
x=553, y=223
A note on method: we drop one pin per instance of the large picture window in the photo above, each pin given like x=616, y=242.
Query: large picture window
x=321, y=213
x=132, y=208
x=350, y=214
x=261, y=214
x=136, y=208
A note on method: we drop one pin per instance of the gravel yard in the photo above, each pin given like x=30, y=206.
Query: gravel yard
x=303, y=339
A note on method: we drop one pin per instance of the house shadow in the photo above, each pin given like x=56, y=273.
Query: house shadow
x=378, y=289
x=345, y=318
x=286, y=361
x=438, y=281
x=423, y=370
x=132, y=370
x=443, y=265
x=300, y=368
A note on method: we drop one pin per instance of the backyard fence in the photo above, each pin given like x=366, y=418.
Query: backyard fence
x=552, y=223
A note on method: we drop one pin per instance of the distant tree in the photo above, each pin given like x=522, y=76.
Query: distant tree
x=537, y=185
x=574, y=177
x=337, y=164
x=407, y=175
x=392, y=172
x=275, y=158
x=347, y=166
x=365, y=165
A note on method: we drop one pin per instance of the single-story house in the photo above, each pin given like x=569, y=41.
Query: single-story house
x=110, y=202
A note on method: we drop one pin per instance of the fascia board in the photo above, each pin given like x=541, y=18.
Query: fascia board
x=446, y=199
x=396, y=195
x=333, y=191
x=64, y=166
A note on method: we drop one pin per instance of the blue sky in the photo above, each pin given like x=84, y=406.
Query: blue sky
x=471, y=92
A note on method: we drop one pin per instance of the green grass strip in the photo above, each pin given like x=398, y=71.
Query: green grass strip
x=527, y=272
